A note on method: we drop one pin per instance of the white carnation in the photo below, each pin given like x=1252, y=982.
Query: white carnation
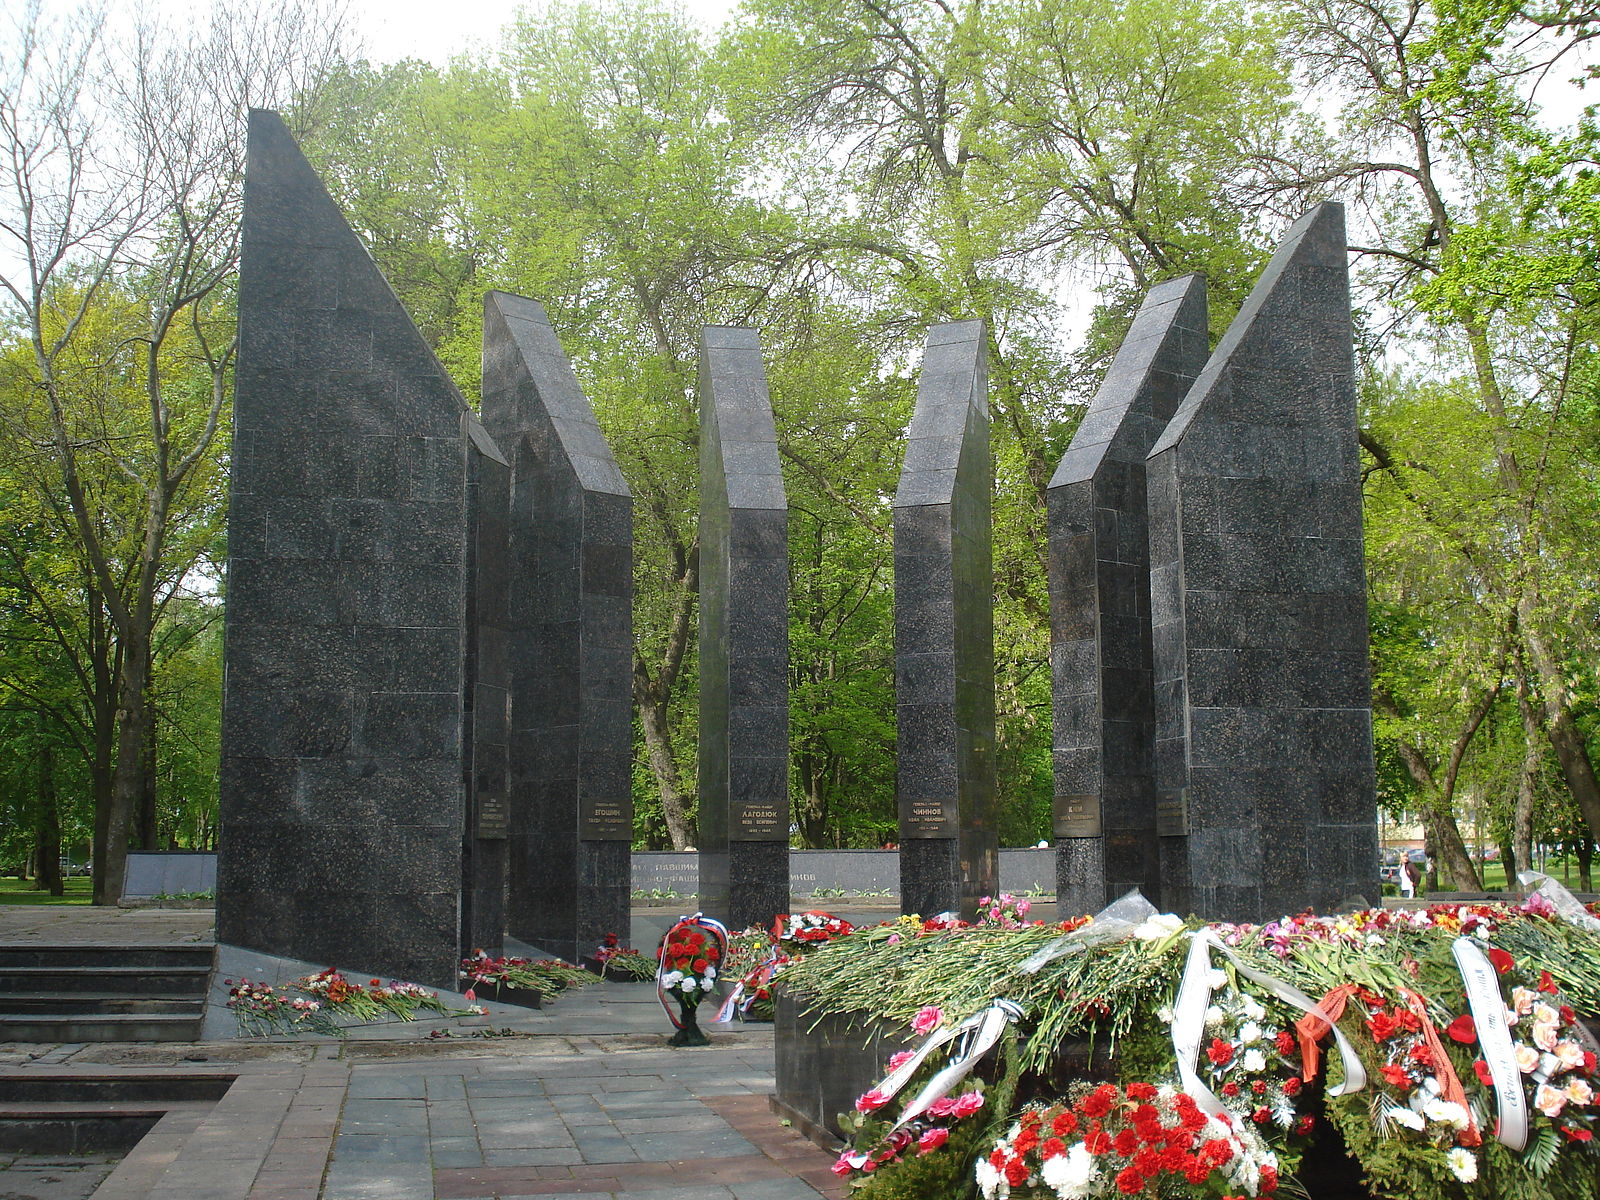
x=1249, y=1033
x=1070, y=1175
x=1153, y=929
x=1253, y=1008
x=1445, y=1112
x=1214, y=1015
x=671, y=979
x=991, y=1183
x=1254, y=1061
x=1404, y=1116
x=1463, y=1165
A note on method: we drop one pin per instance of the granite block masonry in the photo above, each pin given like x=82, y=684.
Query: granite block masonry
x=1099, y=573
x=1264, y=765
x=744, y=638
x=568, y=641
x=344, y=794
x=944, y=633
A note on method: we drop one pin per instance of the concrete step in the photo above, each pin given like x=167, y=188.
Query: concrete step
x=102, y=955
x=122, y=980
x=66, y=1086
x=19, y=1004
x=104, y=1027
x=82, y=1128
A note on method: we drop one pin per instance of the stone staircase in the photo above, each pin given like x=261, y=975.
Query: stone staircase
x=103, y=993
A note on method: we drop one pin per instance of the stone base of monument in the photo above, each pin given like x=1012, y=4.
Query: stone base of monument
x=608, y=972
x=503, y=993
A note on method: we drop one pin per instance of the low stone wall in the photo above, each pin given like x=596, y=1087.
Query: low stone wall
x=169, y=873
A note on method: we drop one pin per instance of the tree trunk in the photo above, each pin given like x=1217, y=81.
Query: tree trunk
x=146, y=831
x=1527, y=781
x=1565, y=739
x=1585, y=852
x=1446, y=847
x=127, y=779
x=658, y=752
x=47, y=828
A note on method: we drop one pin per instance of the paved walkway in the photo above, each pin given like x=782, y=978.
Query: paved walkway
x=593, y=1104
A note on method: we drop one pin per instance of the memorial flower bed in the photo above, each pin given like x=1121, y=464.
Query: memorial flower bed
x=1441, y=1049
x=329, y=1003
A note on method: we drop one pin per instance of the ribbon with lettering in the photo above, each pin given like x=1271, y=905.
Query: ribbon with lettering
x=715, y=931
x=1189, y=1019
x=1494, y=1040
x=976, y=1037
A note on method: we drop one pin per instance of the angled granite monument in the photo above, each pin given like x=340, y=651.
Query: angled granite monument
x=568, y=641
x=1264, y=763
x=1099, y=571
x=344, y=802
x=944, y=633
x=744, y=638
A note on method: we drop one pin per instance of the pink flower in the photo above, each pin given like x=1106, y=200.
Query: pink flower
x=942, y=1107
x=841, y=1167
x=898, y=1059
x=933, y=1139
x=470, y=995
x=967, y=1104
x=927, y=1019
x=870, y=1101
x=1549, y=1101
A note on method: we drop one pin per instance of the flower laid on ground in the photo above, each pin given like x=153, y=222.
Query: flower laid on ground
x=329, y=1002
x=616, y=959
x=547, y=976
x=690, y=959
x=754, y=961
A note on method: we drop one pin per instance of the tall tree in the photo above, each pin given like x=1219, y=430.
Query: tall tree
x=119, y=194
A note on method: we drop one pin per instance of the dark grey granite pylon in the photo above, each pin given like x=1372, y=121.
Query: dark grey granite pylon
x=944, y=633
x=744, y=638
x=569, y=641
x=343, y=791
x=1258, y=597
x=1099, y=571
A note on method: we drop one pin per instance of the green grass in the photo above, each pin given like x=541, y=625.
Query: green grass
x=20, y=891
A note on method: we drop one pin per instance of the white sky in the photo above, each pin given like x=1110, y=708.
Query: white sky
x=434, y=32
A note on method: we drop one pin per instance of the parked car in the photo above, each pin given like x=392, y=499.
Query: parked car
x=1389, y=873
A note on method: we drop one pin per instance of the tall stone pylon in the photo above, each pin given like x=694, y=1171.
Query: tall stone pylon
x=345, y=810
x=568, y=642
x=1264, y=765
x=1099, y=572
x=944, y=633
x=744, y=638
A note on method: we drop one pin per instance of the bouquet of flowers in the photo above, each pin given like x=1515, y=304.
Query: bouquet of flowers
x=800, y=932
x=326, y=997
x=547, y=976
x=1132, y=1140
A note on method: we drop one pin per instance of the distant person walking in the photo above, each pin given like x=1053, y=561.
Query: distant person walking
x=1410, y=877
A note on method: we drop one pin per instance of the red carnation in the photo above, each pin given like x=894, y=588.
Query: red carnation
x=1129, y=1181
x=1017, y=1172
x=1259, y=1087
x=1397, y=1076
x=1463, y=1029
x=1383, y=1026
x=1141, y=1091
x=1065, y=1123
x=1285, y=1042
x=1481, y=1070
x=1578, y=1135
x=1147, y=1161
x=1197, y=1171
x=700, y=965
x=1502, y=961
x=1220, y=1052
x=1052, y=1148
x=1269, y=1179
x=1261, y=1116
x=1291, y=1086
x=1098, y=1102
x=1026, y=1141
x=1546, y=984
x=1230, y=1088
x=1126, y=1142
x=1098, y=1141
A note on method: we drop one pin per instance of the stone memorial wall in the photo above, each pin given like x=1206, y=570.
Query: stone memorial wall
x=343, y=790
x=568, y=640
x=744, y=638
x=1099, y=571
x=944, y=632
x=1264, y=768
